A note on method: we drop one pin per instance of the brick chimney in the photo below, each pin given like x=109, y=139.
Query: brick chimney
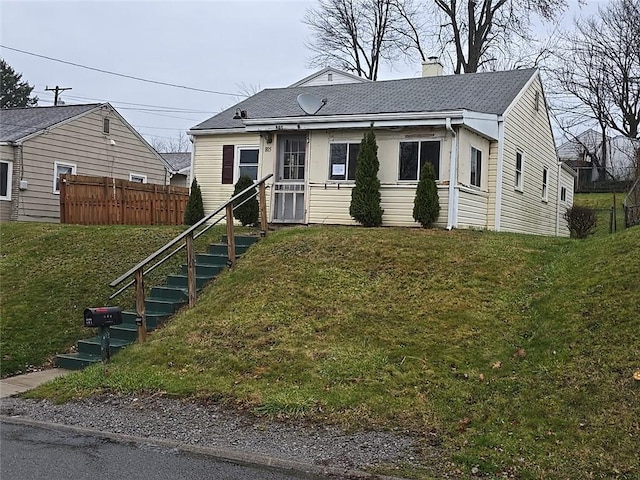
x=432, y=67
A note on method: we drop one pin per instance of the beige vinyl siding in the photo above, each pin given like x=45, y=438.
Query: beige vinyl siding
x=492, y=177
x=208, y=165
x=566, y=181
x=336, y=78
x=528, y=129
x=82, y=143
x=472, y=208
x=7, y=155
x=330, y=205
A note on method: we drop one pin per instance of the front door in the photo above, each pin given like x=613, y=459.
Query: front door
x=289, y=186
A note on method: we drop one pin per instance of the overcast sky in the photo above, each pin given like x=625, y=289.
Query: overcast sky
x=215, y=45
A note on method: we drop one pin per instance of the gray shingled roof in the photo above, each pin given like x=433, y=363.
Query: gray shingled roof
x=177, y=160
x=17, y=123
x=489, y=92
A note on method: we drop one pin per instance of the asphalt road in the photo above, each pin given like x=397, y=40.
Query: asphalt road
x=32, y=453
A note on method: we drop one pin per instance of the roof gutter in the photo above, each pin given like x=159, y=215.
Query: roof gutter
x=453, y=175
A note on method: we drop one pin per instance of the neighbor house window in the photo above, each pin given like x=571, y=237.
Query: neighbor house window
x=343, y=160
x=414, y=155
x=137, y=178
x=545, y=177
x=6, y=171
x=563, y=194
x=476, y=167
x=247, y=162
x=61, y=169
x=105, y=126
x=519, y=169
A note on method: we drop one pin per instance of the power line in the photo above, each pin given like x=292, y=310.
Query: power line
x=162, y=108
x=122, y=74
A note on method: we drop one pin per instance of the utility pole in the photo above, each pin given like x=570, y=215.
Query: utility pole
x=58, y=91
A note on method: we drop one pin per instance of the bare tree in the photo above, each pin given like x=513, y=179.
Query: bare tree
x=357, y=35
x=599, y=71
x=478, y=33
x=178, y=144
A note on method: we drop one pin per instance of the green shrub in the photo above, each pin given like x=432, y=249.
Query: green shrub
x=194, y=211
x=426, y=205
x=248, y=213
x=580, y=220
x=365, y=196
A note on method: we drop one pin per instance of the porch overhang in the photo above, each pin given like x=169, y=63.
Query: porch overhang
x=482, y=123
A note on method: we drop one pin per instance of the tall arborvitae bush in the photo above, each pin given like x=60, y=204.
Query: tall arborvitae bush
x=426, y=205
x=194, y=211
x=365, y=196
x=248, y=213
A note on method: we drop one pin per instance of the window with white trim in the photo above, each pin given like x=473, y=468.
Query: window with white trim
x=137, y=178
x=247, y=162
x=414, y=155
x=106, y=126
x=61, y=168
x=545, y=179
x=563, y=194
x=6, y=175
x=476, y=167
x=343, y=160
x=519, y=180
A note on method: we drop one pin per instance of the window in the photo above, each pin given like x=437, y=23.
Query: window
x=105, y=126
x=476, y=167
x=343, y=160
x=61, y=169
x=563, y=194
x=6, y=171
x=137, y=177
x=545, y=175
x=247, y=162
x=413, y=155
x=519, y=168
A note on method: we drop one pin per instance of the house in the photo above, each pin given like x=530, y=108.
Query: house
x=179, y=167
x=598, y=168
x=487, y=135
x=38, y=144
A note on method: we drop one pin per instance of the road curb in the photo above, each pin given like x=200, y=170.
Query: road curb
x=219, y=453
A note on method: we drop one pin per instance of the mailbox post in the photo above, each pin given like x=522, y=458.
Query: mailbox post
x=103, y=318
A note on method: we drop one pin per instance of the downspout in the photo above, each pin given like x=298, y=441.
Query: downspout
x=558, y=200
x=453, y=176
x=499, y=173
x=193, y=159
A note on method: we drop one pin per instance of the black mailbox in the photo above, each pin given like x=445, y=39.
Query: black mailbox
x=102, y=316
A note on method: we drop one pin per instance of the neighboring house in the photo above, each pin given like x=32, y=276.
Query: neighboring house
x=38, y=144
x=179, y=168
x=487, y=135
x=584, y=153
x=329, y=76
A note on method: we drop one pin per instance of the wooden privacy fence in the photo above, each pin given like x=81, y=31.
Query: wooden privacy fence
x=89, y=200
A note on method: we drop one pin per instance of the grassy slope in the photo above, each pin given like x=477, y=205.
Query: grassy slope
x=508, y=353
x=49, y=273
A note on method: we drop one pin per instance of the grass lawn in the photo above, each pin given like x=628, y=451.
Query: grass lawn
x=602, y=203
x=49, y=273
x=509, y=355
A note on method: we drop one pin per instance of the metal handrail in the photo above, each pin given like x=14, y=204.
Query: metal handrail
x=180, y=237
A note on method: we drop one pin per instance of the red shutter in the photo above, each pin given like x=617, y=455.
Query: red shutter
x=227, y=163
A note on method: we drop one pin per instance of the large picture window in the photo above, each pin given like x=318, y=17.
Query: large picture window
x=476, y=167
x=343, y=160
x=61, y=169
x=6, y=170
x=413, y=155
x=248, y=162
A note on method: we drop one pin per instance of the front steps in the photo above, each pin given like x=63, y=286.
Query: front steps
x=162, y=303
